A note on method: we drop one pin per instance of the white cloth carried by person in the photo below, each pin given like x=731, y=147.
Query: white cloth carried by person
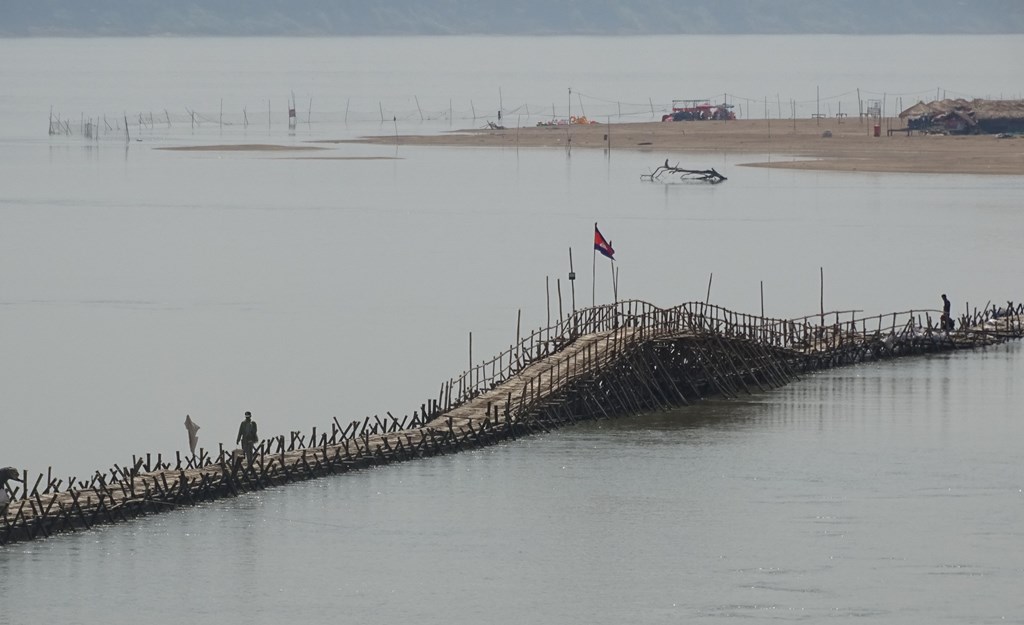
x=193, y=433
x=6, y=473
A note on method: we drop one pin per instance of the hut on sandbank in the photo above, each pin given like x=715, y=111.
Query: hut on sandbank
x=962, y=117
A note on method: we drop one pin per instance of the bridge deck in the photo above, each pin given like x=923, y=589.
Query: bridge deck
x=646, y=358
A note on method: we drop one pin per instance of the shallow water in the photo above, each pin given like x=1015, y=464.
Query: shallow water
x=882, y=492
x=140, y=285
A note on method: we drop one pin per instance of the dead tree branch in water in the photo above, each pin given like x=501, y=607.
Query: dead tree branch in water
x=706, y=175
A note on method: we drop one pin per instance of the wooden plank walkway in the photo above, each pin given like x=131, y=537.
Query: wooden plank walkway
x=630, y=357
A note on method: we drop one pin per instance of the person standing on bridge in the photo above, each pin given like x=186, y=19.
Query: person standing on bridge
x=247, y=436
x=6, y=473
x=947, y=321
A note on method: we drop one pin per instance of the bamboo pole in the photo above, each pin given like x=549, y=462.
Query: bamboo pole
x=724, y=352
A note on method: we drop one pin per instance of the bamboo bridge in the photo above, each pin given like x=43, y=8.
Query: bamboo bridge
x=625, y=358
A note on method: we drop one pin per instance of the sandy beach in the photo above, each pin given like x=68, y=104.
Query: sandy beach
x=799, y=145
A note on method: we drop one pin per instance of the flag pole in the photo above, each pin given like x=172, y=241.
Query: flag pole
x=615, y=284
x=572, y=281
x=593, y=276
x=547, y=291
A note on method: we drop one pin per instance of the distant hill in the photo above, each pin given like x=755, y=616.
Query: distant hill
x=522, y=17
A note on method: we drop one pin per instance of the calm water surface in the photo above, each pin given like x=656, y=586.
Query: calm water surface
x=139, y=285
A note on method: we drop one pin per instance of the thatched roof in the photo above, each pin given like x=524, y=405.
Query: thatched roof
x=978, y=109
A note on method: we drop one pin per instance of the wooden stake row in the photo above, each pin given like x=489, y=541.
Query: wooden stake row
x=628, y=358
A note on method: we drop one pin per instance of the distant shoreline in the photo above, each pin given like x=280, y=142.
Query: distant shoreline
x=851, y=146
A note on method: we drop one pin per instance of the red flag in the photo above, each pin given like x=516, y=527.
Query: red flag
x=603, y=245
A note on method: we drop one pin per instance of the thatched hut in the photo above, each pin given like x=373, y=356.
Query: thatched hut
x=966, y=116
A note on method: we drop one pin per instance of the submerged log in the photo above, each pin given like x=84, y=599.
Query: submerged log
x=704, y=175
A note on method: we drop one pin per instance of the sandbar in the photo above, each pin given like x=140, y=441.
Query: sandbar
x=241, y=147
x=799, y=144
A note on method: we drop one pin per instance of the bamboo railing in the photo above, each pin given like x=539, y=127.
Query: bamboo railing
x=627, y=357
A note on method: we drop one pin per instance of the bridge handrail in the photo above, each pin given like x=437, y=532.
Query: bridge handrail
x=622, y=326
x=651, y=321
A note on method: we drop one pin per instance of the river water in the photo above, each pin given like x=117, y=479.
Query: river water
x=139, y=285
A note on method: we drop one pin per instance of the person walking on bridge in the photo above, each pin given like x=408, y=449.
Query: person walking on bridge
x=6, y=473
x=947, y=321
x=247, y=436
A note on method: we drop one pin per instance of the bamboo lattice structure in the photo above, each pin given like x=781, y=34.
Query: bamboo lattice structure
x=626, y=358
